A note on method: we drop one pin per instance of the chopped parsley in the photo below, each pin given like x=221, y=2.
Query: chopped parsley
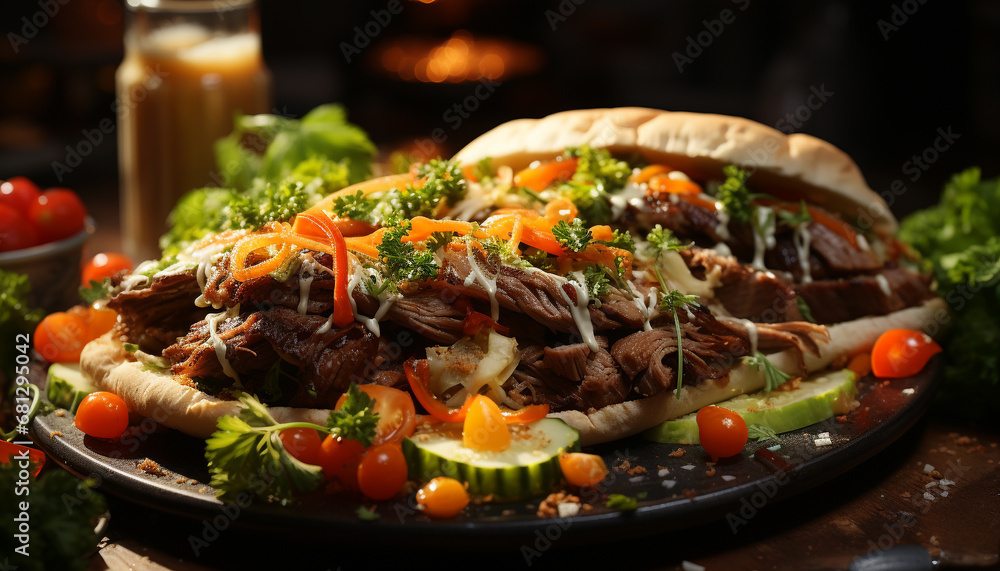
x=661, y=240
x=355, y=419
x=597, y=175
x=623, y=502
x=773, y=376
x=761, y=433
x=484, y=170
x=130, y=347
x=790, y=218
x=620, y=240
x=574, y=236
x=443, y=185
x=272, y=203
x=734, y=194
x=95, y=290
x=354, y=206
x=400, y=260
x=596, y=281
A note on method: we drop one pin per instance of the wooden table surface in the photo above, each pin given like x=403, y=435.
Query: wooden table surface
x=878, y=504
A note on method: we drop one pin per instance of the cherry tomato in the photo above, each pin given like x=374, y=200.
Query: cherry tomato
x=382, y=471
x=722, y=432
x=398, y=416
x=16, y=231
x=902, y=353
x=339, y=458
x=60, y=337
x=19, y=193
x=484, y=427
x=443, y=497
x=102, y=415
x=581, y=469
x=57, y=213
x=302, y=443
x=99, y=321
x=104, y=265
x=35, y=456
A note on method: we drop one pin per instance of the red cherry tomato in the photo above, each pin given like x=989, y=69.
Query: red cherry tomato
x=397, y=415
x=339, y=458
x=104, y=265
x=58, y=213
x=36, y=457
x=16, y=231
x=102, y=415
x=19, y=193
x=902, y=353
x=382, y=472
x=302, y=443
x=61, y=336
x=722, y=432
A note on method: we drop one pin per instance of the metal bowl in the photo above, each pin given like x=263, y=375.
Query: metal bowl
x=53, y=269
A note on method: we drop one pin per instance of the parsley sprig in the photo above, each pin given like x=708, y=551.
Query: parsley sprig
x=761, y=433
x=734, y=194
x=773, y=376
x=245, y=453
x=573, y=236
x=400, y=261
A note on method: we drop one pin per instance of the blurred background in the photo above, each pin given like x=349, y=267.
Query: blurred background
x=884, y=80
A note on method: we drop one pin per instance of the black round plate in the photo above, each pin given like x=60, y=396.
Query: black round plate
x=673, y=492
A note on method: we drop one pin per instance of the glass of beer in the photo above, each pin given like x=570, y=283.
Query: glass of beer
x=189, y=66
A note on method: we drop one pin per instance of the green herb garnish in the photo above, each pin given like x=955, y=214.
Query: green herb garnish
x=773, y=376
x=573, y=236
x=400, y=260
x=355, y=419
x=761, y=433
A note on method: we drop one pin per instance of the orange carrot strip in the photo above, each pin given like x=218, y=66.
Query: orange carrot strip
x=342, y=312
x=560, y=209
x=649, y=172
x=540, y=177
x=422, y=227
x=663, y=183
x=245, y=247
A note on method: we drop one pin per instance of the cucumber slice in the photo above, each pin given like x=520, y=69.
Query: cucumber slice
x=529, y=467
x=818, y=398
x=67, y=385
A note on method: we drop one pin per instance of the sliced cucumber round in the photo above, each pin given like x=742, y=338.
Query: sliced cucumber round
x=816, y=399
x=529, y=467
x=67, y=385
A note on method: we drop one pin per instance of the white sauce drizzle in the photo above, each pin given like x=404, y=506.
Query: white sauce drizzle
x=220, y=346
x=581, y=310
x=640, y=303
x=802, y=238
x=489, y=284
x=752, y=334
x=863, y=243
x=722, y=228
x=385, y=302
x=306, y=275
x=883, y=284
x=723, y=249
x=631, y=194
x=763, y=236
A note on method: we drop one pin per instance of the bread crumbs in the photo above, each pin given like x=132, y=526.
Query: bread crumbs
x=676, y=453
x=202, y=489
x=181, y=480
x=549, y=507
x=60, y=412
x=710, y=472
x=636, y=470
x=624, y=466
x=150, y=467
x=55, y=433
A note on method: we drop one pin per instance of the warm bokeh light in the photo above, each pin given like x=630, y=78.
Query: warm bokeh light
x=459, y=58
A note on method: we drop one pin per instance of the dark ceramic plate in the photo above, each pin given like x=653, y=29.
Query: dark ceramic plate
x=684, y=495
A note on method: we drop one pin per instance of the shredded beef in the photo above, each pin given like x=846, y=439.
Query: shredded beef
x=745, y=292
x=835, y=301
x=155, y=316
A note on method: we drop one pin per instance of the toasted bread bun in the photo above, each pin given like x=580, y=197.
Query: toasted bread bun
x=700, y=144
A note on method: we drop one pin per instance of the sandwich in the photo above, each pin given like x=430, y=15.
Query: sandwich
x=622, y=267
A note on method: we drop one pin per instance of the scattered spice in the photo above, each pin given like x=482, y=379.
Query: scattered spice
x=676, y=453
x=150, y=467
x=550, y=506
x=60, y=412
x=636, y=470
x=55, y=433
x=963, y=440
x=181, y=480
x=710, y=472
x=624, y=466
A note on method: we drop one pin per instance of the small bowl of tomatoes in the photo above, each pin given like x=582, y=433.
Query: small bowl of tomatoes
x=42, y=234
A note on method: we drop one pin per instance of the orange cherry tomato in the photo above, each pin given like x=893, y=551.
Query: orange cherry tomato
x=443, y=497
x=104, y=265
x=540, y=177
x=340, y=458
x=60, y=337
x=397, y=415
x=860, y=364
x=302, y=443
x=722, y=432
x=581, y=469
x=102, y=415
x=484, y=427
x=99, y=321
x=902, y=353
x=382, y=471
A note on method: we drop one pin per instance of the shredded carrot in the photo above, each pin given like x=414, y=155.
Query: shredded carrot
x=540, y=177
x=343, y=314
x=697, y=200
x=560, y=209
x=515, y=235
x=649, y=172
x=248, y=245
x=422, y=227
x=663, y=183
x=367, y=187
x=820, y=216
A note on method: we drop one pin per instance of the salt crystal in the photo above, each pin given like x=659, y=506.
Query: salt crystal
x=635, y=479
x=663, y=472
x=928, y=468
x=909, y=391
x=822, y=442
x=568, y=509
x=669, y=483
x=929, y=496
x=688, y=467
x=728, y=477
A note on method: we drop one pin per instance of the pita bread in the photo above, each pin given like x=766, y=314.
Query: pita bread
x=700, y=144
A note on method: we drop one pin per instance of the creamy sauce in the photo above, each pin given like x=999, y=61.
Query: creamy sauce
x=723, y=249
x=581, y=310
x=863, y=243
x=640, y=303
x=489, y=284
x=802, y=238
x=751, y=334
x=632, y=194
x=883, y=284
x=722, y=228
x=306, y=275
x=763, y=235
x=371, y=323
x=678, y=276
x=220, y=346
